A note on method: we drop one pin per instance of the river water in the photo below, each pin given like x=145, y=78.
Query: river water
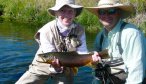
x=17, y=50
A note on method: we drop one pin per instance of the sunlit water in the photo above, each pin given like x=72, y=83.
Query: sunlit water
x=17, y=50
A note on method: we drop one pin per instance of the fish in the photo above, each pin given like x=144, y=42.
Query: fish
x=71, y=58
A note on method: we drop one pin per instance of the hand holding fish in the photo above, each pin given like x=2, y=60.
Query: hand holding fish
x=55, y=63
x=96, y=57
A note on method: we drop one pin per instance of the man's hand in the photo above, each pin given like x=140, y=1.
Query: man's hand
x=95, y=57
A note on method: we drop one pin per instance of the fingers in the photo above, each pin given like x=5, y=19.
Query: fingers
x=96, y=57
x=55, y=63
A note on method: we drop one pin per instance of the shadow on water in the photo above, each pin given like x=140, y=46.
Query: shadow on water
x=18, y=47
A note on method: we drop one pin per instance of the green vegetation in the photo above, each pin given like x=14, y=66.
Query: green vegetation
x=32, y=11
x=35, y=11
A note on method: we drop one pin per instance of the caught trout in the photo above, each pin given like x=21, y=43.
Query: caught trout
x=71, y=59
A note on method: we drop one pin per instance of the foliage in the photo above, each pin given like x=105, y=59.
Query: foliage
x=35, y=11
x=26, y=10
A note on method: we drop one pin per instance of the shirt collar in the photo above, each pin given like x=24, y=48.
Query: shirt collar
x=63, y=29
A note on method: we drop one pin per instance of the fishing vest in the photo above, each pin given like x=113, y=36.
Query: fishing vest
x=64, y=43
x=69, y=42
x=115, y=64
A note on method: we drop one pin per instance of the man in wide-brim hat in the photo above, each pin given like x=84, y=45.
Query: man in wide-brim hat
x=125, y=43
x=125, y=9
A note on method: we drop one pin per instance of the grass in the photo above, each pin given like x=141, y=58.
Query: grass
x=35, y=12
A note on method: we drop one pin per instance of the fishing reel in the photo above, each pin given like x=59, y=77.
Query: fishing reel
x=102, y=72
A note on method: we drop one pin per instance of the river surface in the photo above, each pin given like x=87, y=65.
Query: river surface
x=17, y=50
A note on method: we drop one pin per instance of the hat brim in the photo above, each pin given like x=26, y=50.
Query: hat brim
x=78, y=8
x=126, y=10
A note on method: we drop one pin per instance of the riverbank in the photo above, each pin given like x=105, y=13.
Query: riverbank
x=35, y=12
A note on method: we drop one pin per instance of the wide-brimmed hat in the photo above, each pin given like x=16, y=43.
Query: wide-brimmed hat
x=126, y=9
x=60, y=3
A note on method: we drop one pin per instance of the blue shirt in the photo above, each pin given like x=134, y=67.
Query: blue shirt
x=133, y=52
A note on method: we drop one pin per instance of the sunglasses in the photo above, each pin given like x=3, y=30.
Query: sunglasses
x=111, y=11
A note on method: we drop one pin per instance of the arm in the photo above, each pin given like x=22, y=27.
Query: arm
x=46, y=42
x=133, y=56
x=47, y=45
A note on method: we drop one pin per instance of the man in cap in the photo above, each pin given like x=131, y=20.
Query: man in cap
x=56, y=36
x=123, y=40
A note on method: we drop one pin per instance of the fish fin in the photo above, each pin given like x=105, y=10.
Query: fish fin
x=75, y=70
x=93, y=66
x=43, y=60
x=90, y=64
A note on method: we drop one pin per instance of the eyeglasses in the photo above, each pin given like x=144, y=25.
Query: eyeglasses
x=111, y=11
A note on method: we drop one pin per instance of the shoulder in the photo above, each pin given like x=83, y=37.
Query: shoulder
x=131, y=29
x=99, y=34
x=79, y=29
x=130, y=32
x=45, y=30
x=99, y=37
x=48, y=26
x=79, y=26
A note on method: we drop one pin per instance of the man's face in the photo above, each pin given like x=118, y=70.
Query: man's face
x=108, y=17
x=66, y=15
